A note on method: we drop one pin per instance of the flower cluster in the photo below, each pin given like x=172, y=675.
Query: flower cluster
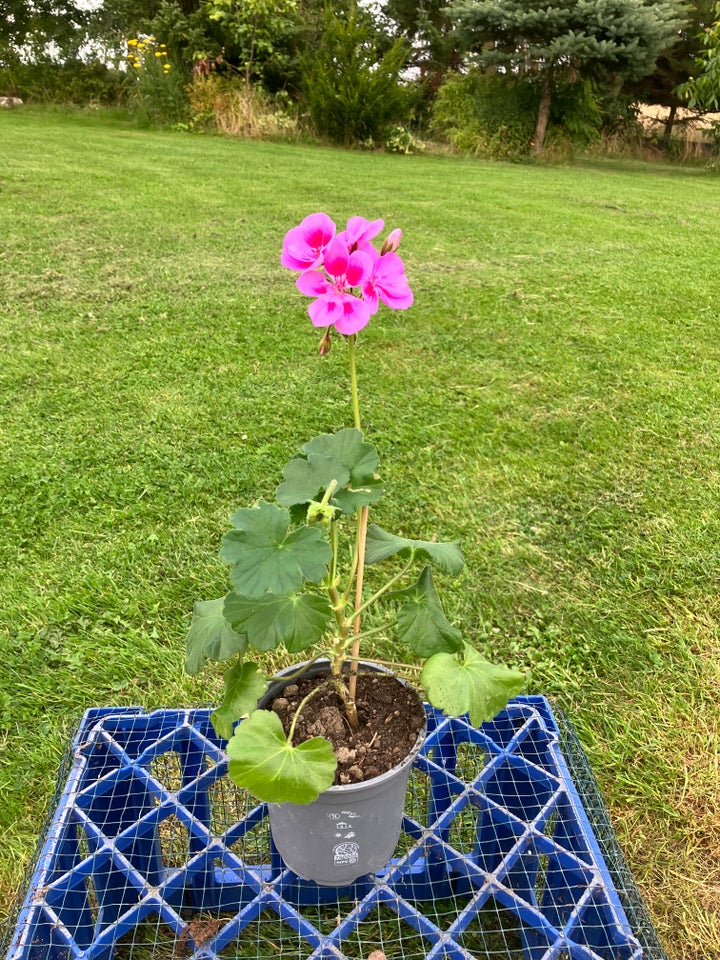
x=140, y=48
x=346, y=274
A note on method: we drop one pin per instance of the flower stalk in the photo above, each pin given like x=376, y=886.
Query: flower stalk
x=294, y=584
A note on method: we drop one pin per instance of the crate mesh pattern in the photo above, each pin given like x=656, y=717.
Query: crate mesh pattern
x=506, y=852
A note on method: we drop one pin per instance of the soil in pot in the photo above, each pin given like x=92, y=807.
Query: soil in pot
x=390, y=718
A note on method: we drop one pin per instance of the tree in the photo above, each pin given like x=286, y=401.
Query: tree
x=675, y=65
x=353, y=89
x=563, y=42
x=40, y=26
x=703, y=91
x=256, y=28
x=428, y=26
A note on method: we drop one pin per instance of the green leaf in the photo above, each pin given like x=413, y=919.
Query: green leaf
x=421, y=621
x=244, y=685
x=381, y=545
x=210, y=636
x=263, y=762
x=295, y=620
x=270, y=558
x=472, y=685
x=308, y=479
x=343, y=456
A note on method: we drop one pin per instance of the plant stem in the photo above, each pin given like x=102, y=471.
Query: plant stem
x=395, y=663
x=366, y=633
x=291, y=732
x=361, y=530
x=353, y=382
x=359, y=610
x=362, y=534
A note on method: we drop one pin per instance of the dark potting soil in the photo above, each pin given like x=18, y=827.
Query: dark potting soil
x=390, y=718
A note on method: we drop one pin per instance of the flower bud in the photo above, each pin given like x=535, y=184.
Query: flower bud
x=392, y=242
x=325, y=343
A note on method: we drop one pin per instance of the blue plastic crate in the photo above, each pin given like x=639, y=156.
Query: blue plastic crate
x=153, y=852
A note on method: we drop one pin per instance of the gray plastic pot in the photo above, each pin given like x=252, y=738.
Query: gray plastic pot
x=350, y=830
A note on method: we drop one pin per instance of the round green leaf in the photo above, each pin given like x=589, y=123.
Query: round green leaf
x=472, y=685
x=297, y=620
x=421, y=622
x=263, y=762
x=344, y=457
x=244, y=685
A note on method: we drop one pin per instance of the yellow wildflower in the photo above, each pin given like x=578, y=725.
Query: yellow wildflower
x=159, y=54
x=132, y=43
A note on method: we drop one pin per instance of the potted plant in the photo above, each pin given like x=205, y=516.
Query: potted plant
x=330, y=743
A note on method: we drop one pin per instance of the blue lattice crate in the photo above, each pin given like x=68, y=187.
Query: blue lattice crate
x=153, y=852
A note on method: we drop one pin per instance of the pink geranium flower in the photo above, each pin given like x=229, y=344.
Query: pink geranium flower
x=303, y=246
x=359, y=232
x=388, y=283
x=345, y=273
x=335, y=305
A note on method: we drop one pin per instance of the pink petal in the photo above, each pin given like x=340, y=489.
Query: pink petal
x=370, y=296
x=348, y=314
x=336, y=258
x=399, y=298
x=388, y=267
x=359, y=230
x=359, y=268
x=391, y=283
x=355, y=315
x=324, y=311
x=303, y=246
x=313, y=283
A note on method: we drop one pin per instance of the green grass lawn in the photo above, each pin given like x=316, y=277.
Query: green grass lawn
x=552, y=398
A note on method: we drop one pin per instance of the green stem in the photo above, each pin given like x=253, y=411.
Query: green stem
x=338, y=608
x=361, y=636
x=384, y=589
x=291, y=732
x=359, y=565
x=354, y=382
x=333, y=563
x=394, y=663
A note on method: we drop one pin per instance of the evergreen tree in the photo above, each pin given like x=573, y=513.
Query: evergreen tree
x=353, y=88
x=428, y=26
x=557, y=42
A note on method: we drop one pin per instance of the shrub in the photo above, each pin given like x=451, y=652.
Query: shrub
x=400, y=140
x=353, y=92
x=494, y=117
x=72, y=83
x=486, y=115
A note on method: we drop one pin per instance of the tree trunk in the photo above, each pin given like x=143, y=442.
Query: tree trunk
x=543, y=114
x=669, y=123
x=249, y=61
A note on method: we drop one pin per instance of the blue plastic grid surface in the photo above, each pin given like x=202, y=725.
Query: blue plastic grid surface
x=152, y=846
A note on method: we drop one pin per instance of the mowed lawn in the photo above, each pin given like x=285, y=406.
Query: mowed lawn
x=552, y=398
